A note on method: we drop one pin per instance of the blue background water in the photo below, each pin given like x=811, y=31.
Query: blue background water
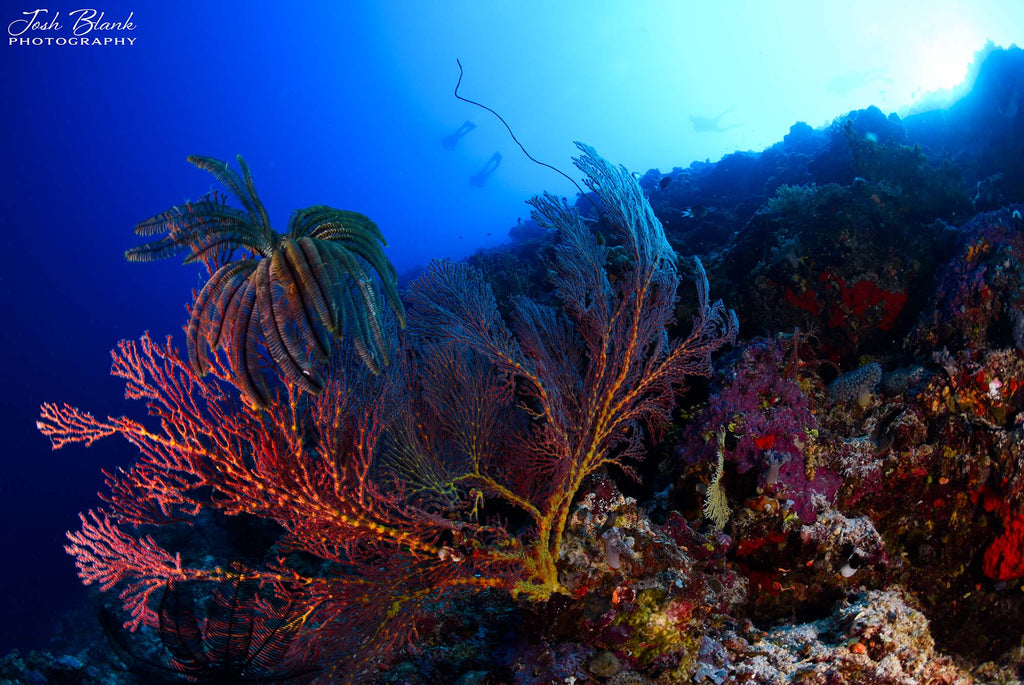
x=347, y=106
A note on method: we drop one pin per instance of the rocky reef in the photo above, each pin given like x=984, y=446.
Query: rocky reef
x=869, y=424
x=843, y=501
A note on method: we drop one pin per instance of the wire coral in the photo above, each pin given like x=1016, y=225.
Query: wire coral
x=294, y=291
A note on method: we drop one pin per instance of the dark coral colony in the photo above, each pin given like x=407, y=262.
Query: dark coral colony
x=752, y=421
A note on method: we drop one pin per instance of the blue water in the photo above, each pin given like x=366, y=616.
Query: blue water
x=347, y=107
x=95, y=140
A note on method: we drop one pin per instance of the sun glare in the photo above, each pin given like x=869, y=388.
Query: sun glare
x=943, y=57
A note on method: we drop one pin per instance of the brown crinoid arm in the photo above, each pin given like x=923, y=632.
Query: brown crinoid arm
x=334, y=254
x=272, y=300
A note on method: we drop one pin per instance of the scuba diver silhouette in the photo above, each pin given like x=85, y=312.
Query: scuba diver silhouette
x=710, y=124
x=451, y=140
x=478, y=179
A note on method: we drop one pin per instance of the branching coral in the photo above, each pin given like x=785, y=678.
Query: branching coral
x=382, y=478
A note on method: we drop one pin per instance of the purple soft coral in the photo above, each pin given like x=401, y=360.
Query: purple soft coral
x=764, y=409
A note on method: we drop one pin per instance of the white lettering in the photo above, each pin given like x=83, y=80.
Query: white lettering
x=88, y=24
x=31, y=22
x=90, y=20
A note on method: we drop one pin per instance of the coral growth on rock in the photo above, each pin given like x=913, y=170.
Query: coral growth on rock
x=540, y=514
